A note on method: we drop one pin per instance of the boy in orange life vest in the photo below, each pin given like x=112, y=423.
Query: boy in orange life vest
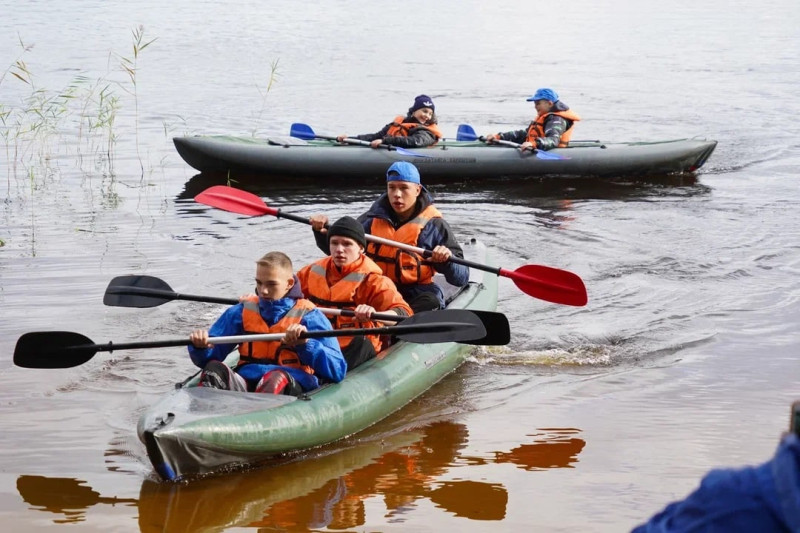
x=552, y=128
x=348, y=279
x=290, y=366
x=416, y=130
x=405, y=213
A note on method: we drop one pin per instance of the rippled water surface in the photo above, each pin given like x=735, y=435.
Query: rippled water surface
x=592, y=419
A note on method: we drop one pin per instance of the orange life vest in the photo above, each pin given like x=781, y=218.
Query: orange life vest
x=271, y=352
x=341, y=295
x=404, y=268
x=536, y=129
x=404, y=129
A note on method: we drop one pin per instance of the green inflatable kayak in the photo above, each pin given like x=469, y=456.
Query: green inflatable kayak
x=195, y=431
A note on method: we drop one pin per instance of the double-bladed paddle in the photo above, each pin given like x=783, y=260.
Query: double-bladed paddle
x=148, y=291
x=65, y=349
x=305, y=132
x=467, y=133
x=542, y=282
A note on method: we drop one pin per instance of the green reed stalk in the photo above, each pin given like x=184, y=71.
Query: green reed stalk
x=131, y=66
x=273, y=77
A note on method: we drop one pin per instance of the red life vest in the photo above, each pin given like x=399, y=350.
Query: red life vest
x=342, y=294
x=404, y=268
x=271, y=352
x=404, y=129
x=536, y=129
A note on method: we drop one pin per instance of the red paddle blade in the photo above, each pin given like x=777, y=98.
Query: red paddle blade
x=549, y=284
x=234, y=200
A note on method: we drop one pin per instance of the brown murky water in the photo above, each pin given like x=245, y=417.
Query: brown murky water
x=592, y=419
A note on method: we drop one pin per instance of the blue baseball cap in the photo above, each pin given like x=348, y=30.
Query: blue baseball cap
x=403, y=171
x=544, y=94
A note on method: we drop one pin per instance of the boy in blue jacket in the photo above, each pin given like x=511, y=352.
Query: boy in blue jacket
x=405, y=213
x=289, y=366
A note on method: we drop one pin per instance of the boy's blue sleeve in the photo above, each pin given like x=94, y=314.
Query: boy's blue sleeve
x=324, y=354
x=229, y=323
x=438, y=232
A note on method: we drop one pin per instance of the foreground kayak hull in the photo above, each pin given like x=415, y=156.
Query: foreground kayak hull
x=447, y=161
x=196, y=431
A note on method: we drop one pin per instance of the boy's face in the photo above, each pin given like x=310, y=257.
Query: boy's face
x=273, y=283
x=423, y=114
x=543, y=106
x=344, y=250
x=403, y=196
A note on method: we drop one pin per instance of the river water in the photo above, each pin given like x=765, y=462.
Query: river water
x=592, y=419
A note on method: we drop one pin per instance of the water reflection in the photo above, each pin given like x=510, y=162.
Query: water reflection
x=329, y=490
x=286, y=192
x=534, y=192
x=552, y=448
x=547, y=193
x=67, y=496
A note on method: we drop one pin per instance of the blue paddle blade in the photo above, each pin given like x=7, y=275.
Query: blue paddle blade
x=302, y=131
x=405, y=151
x=466, y=133
x=541, y=154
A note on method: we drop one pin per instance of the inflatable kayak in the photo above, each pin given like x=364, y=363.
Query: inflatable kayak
x=291, y=157
x=195, y=431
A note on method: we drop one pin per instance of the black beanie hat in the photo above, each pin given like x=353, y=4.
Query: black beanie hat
x=350, y=228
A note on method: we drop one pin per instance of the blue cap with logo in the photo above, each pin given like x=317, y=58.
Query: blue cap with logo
x=544, y=94
x=403, y=171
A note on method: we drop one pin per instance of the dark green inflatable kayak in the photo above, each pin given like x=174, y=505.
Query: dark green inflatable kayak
x=324, y=161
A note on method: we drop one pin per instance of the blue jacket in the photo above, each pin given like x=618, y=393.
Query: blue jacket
x=323, y=354
x=761, y=499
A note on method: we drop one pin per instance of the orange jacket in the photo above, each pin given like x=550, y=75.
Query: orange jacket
x=404, y=268
x=536, y=129
x=360, y=282
x=399, y=128
x=271, y=352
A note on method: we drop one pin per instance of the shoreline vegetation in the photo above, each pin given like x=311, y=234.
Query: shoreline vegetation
x=84, y=122
x=81, y=121
x=87, y=110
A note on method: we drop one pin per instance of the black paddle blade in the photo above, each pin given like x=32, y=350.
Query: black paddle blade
x=121, y=292
x=446, y=325
x=53, y=349
x=498, y=332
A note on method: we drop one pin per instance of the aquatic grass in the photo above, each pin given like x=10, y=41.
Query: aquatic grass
x=28, y=126
x=98, y=114
x=87, y=106
x=19, y=70
x=31, y=124
x=229, y=181
x=273, y=77
x=130, y=66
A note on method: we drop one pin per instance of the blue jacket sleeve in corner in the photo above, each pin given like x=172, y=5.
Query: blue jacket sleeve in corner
x=765, y=498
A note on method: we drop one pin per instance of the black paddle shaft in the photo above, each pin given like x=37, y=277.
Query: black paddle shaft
x=64, y=349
